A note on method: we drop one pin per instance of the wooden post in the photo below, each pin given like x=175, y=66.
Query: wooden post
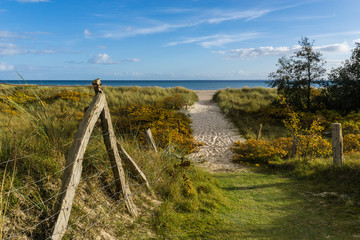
x=150, y=140
x=259, y=133
x=134, y=168
x=72, y=173
x=113, y=152
x=337, y=144
x=294, y=147
x=179, y=126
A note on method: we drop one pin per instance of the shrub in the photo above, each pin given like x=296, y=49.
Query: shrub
x=280, y=148
x=168, y=127
x=352, y=143
x=175, y=102
x=260, y=150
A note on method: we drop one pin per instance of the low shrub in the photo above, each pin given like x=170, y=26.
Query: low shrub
x=174, y=102
x=351, y=143
x=280, y=148
x=168, y=127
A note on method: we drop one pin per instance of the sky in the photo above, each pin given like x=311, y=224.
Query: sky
x=168, y=40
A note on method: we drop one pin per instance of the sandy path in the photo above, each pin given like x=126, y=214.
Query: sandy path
x=216, y=132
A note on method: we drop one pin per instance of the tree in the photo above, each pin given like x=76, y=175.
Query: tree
x=344, y=83
x=296, y=75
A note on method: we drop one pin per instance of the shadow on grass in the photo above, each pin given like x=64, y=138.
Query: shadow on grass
x=271, y=206
x=253, y=187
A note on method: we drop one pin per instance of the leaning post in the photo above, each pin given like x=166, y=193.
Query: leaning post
x=113, y=152
x=337, y=144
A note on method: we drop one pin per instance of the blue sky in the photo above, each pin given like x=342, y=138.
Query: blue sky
x=156, y=39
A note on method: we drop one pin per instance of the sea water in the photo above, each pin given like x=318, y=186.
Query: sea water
x=190, y=84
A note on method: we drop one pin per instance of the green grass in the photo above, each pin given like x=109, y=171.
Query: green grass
x=273, y=206
x=266, y=204
x=245, y=108
x=37, y=127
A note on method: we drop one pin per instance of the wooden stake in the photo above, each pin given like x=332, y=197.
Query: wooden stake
x=113, y=153
x=337, y=144
x=294, y=147
x=72, y=173
x=259, y=132
x=134, y=168
x=150, y=140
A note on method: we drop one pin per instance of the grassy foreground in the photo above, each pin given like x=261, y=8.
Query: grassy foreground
x=264, y=204
x=271, y=206
x=37, y=128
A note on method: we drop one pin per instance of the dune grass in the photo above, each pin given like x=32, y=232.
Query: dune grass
x=37, y=126
x=245, y=106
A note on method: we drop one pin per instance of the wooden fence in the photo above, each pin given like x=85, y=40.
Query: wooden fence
x=72, y=174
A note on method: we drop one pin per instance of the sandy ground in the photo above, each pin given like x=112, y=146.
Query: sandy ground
x=217, y=133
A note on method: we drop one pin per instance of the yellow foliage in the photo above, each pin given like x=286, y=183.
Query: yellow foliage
x=168, y=127
x=351, y=143
x=264, y=151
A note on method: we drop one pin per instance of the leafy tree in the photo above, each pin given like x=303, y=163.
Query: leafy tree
x=344, y=83
x=296, y=75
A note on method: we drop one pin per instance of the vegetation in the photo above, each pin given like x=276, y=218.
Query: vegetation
x=309, y=169
x=37, y=128
x=295, y=76
x=247, y=106
x=344, y=84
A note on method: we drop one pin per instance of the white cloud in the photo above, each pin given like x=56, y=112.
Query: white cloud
x=216, y=40
x=216, y=16
x=104, y=58
x=337, y=48
x=335, y=34
x=130, y=32
x=32, y=1
x=132, y=60
x=101, y=58
x=5, y=35
x=230, y=15
x=277, y=51
x=87, y=33
x=176, y=10
x=6, y=67
x=9, y=49
x=357, y=40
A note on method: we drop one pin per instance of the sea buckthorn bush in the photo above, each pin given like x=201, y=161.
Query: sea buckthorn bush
x=9, y=100
x=168, y=127
x=280, y=148
x=260, y=150
x=351, y=143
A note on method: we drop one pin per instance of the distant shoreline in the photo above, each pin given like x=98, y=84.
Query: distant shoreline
x=189, y=84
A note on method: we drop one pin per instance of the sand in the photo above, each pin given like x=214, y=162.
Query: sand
x=216, y=132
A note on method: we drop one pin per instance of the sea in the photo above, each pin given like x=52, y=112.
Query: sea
x=190, y=84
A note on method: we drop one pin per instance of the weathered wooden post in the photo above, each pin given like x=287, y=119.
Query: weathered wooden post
x=294, y=147
x=150, y=140
x=113, y=152
x=134, y=168
x=337, y=144
x=72, y=174
x=74, y=158
x=258, y=136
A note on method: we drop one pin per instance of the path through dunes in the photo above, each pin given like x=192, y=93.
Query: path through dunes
x=216, y=132
x=259, y=203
